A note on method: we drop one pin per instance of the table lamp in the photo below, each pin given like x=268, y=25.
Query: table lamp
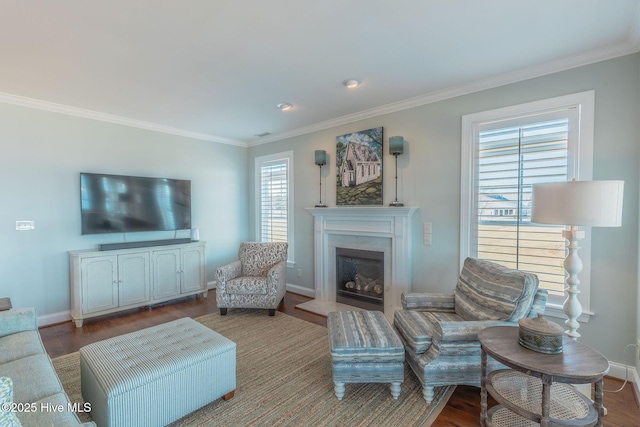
x=576, y=203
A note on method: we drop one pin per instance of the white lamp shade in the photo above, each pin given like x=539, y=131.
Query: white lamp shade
x=578, y=203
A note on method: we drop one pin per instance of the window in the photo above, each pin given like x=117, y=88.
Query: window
x=504, y=153
x=274, y=200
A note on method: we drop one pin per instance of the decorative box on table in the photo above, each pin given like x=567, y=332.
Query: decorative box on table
x=539, y=334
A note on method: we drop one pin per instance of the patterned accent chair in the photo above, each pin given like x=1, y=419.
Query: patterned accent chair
x=440, y=331
x=256, y=280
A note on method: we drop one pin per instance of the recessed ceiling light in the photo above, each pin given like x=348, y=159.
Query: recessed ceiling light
x=351, y=83
x=285, y=106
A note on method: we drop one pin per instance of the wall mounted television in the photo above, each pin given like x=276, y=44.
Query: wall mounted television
x=123, y=204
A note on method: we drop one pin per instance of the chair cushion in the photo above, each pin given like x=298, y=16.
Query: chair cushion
x=362, y=337
x=489, y=291
x=19, y=345
x=258, y=257
x=414, y=327
x=417, y=327
x=246, y=285
x=33, y=378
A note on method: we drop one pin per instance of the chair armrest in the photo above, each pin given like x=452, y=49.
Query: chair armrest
x=539, y=303
x=465, y=330
x=18, y=320
x=228, y=272
x=428, y=301
x=276, y=275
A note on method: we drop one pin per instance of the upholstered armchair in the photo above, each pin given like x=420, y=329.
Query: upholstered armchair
x=440, y=331
x=255, y=280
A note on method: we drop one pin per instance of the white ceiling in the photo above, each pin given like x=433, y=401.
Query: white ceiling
x=216, y=69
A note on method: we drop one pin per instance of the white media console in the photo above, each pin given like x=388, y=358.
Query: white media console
x=104, y=282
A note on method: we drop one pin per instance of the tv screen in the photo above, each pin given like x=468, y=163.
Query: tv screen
x=122, y=204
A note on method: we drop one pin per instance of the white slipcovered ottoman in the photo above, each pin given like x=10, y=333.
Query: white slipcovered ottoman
x=157, y=375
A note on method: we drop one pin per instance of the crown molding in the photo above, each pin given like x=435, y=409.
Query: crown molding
x=632, y=45
x=110, y=118
x=629, y=47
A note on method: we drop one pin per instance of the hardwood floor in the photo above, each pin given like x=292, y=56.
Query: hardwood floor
x=462, y=410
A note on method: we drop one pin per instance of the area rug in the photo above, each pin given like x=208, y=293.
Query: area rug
x=283, y=378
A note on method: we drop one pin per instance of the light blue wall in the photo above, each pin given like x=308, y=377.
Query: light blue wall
x=41, y=156
x=430, y=179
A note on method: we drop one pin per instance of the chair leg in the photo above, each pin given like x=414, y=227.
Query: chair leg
x=223, y=311
x=339, y=390
x=272, y=312
x=395, y=390
x=427, y=393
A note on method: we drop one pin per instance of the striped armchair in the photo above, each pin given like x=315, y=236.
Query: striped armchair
x=256, y=280
x=440, y=331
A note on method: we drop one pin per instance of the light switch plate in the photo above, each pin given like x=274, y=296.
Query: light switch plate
x=427, y=228
x=25, y=225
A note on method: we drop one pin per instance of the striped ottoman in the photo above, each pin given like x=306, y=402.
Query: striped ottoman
x=364, y=349
x=157, y=375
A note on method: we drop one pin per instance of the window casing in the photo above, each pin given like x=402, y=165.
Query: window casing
x=504, y=152
x=274, y=200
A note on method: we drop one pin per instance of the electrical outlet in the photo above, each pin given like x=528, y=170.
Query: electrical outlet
x=299, y=273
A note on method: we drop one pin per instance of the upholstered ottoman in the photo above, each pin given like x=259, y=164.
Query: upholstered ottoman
x=157, y=375
x=364, y=349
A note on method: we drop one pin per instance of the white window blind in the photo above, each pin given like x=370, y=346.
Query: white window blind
x=274, y=200
x=509, y=161
x=504, y=152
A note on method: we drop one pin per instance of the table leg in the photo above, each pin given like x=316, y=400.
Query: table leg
x=546, y=402
x=598, y=402
x=483, y=388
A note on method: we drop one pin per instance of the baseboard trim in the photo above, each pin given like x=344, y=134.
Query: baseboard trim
x=65, y=316
x=301, y=290
x=636, y=386
x=53, y=318
x=618, y=370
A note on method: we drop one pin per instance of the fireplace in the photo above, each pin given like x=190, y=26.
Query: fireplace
x=360, y=278
x=382, y=229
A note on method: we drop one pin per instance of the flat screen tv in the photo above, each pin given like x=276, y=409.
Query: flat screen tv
x=123, y=204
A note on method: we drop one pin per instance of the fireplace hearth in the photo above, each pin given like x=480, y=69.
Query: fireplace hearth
x=360, y=278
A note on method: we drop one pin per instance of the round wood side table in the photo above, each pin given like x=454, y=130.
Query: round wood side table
x=534, y=399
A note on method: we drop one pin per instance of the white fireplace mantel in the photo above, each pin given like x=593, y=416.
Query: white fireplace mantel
x=387, y=229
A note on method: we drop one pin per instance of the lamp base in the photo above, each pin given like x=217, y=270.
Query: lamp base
x=395, y=204
x=321, y=205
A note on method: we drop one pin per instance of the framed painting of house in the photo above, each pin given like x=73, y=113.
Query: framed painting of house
x=359, y=168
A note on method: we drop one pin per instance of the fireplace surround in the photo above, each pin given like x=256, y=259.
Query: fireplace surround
x=367, y=228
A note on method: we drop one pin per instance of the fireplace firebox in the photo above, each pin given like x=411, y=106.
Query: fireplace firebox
x=360, y=278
